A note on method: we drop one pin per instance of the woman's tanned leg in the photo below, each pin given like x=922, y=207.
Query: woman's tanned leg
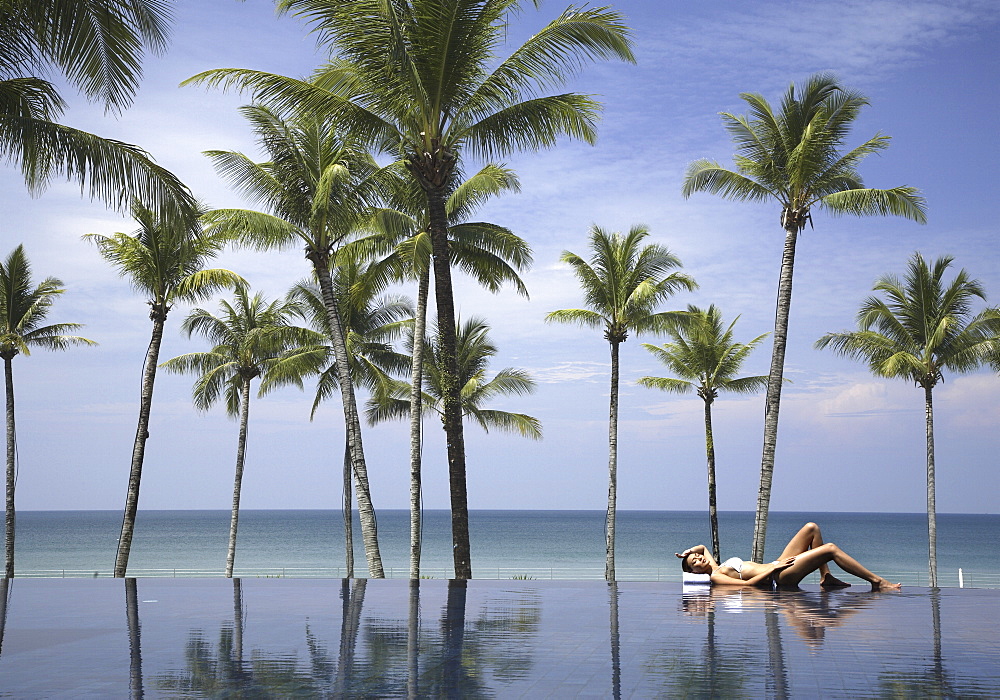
x=816, y=558
x=810, y=537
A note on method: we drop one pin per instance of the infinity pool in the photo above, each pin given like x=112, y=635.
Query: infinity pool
x=191, y=638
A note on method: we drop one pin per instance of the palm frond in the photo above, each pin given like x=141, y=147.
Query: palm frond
x=519, y=423
x=531, y=125
x=580, y=317
x=98, y=45
x=709, y=176
x=898, y=201
x=677, y=386
x=106, y=169
x=554, y=54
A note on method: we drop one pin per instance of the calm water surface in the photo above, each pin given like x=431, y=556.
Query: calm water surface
x=539, y=544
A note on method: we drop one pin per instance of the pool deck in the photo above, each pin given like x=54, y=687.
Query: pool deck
x=171, y=638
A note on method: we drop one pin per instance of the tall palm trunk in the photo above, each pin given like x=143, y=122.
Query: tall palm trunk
x=773, y=397
x=609, y=527
x=713, y=511
x=241, y=450
x=9, y=520
x=348, y=511
x=159, y=317
x=366, y=512
x=931, y=499
x=416, y=387
x=450, y=387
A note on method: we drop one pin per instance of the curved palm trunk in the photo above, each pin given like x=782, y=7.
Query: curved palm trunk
x=9, y=520
x=713, y=511
x=773, y=397
x=450, y=385
x=348, y=510
x=139, y=449
x=931, y=500
x=366, y=512
x=416, y=387
x=609, y=528
x=241, y=450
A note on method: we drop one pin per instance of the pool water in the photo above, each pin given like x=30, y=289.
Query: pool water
x=191, y=638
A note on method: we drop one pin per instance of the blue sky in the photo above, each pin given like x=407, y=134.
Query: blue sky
x=847, y=441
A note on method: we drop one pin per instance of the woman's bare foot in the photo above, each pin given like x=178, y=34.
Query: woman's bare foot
x=831, y=581
x=880, y=584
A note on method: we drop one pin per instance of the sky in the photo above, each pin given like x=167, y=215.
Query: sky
x=847, y=441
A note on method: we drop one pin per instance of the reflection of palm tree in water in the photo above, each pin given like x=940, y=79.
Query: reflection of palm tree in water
x=453, y=631
x=221, y=671
x=719, y=671
x=375, y=657
x=238, y=618
x=353, y=601
x=134, y=640
x=777, y=678
x=5, y=591
x=413, y=641
x=616, y=666
x=934, y=681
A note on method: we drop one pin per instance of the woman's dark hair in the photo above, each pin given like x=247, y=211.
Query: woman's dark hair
x=685, y=567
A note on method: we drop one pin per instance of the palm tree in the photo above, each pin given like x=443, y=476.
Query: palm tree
x=319, y=187
x=705, y=359
x=252, y=338
x=164, y=260
x=921, y=326
x=492, y=254
x=623, y=285
x=371, y=324
x=23, y=309
x=97, y=46
x=794, y=157
x=474, y=352
x=421, y=79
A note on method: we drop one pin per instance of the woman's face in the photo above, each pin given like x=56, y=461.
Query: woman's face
x=699, y=563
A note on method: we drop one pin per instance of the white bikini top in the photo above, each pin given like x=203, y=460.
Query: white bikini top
x=736, y=563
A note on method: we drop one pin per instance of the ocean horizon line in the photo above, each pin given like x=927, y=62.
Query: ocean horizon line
x=498, y=510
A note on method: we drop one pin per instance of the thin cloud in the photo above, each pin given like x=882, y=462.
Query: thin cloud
x=569, y=372
x=864, y=39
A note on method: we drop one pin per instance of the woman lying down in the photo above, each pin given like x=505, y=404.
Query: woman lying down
x=805, y=553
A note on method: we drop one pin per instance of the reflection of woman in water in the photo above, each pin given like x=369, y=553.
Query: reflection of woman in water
x=809, y=613
x=805, y=552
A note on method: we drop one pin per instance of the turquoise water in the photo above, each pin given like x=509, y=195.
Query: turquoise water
x=538, y=544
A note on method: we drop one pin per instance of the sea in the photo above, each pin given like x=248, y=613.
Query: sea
x=531, y=544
